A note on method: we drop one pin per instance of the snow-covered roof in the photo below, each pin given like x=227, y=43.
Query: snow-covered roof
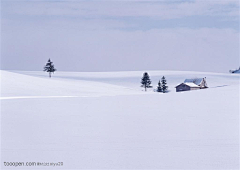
x=188, y=84
x=191, y=85
x=236, y=71
x=196, y=81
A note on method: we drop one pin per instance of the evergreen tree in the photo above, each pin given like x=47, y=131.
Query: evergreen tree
x=146, y=82
x=164, y=83
x=159, y=88
x=49, y=67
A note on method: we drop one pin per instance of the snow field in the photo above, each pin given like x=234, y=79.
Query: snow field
x=119, y=126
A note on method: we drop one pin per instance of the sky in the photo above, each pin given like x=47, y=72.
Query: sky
x=120, y=35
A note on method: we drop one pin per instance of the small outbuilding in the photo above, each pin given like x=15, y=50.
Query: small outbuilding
x=235, y=71
x=192, y=84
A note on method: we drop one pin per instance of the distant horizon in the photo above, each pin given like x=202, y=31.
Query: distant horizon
x=146, y=70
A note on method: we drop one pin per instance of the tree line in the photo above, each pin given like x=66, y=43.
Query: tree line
x=146, y=83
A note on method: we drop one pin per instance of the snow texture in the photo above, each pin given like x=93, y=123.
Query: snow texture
x=105, y=120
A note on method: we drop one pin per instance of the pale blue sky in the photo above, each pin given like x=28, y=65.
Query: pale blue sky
x=198, y=35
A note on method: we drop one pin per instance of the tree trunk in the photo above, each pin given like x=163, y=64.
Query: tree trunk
x=50, y=74
x=145, y=87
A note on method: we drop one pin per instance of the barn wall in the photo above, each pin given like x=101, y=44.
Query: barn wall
x=182, y=88
x=203, y=84
x=195, y=88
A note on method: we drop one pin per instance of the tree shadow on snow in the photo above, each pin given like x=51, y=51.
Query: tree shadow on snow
x=155, y=90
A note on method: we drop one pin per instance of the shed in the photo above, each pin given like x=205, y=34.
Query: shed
x=192, y=84
x=235, y=71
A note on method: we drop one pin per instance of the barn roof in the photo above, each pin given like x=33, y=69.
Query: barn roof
x=191, y=85
x=236, y=71
x=188, y=84
x=196, y=81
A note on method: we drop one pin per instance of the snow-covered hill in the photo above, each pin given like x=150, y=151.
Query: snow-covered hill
x=106, y=121
x=19, y=85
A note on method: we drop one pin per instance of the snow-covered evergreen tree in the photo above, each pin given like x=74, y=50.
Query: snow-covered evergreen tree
x=164, y=84
x=49, y=67
x=159, y=88
x=146, y=82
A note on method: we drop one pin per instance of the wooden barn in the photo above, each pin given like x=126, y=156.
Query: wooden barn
x=192, y=84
